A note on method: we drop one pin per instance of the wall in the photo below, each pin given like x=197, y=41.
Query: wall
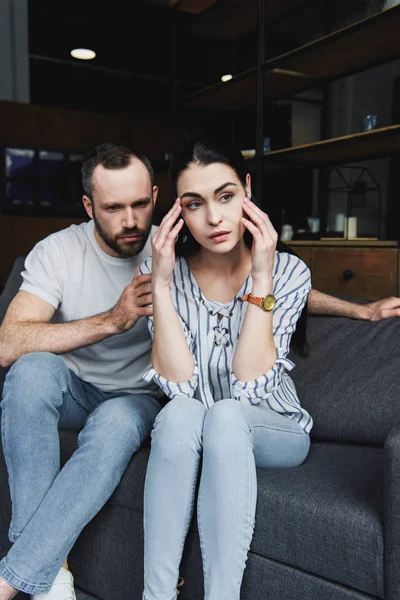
x=36, y=126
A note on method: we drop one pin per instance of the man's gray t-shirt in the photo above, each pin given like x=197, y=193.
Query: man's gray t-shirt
x=71, y=272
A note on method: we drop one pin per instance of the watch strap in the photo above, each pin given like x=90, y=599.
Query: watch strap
x=253, y=300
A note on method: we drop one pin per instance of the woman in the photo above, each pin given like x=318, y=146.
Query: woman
x=224, y=311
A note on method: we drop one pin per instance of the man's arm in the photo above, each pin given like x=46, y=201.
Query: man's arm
x=26, y=327
x=325, y=304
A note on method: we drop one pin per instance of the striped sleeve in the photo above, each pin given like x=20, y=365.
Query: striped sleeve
x=170, y=388
x=291, y=296
x=145, y=269
x=174, y=389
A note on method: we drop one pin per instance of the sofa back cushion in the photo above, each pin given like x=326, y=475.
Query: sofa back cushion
x=350, y=382
x=12, y=285
x=11, y=288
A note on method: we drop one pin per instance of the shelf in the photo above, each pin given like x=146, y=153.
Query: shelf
x=360, y=46
x=356, y=147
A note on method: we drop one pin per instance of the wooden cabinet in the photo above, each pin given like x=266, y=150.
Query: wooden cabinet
x=367, y=272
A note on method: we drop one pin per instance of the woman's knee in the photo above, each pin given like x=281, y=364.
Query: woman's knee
x=179, y=424
x=223, y=424
x=224, y=414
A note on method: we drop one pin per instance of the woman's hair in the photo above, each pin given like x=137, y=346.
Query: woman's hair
x=206, y=152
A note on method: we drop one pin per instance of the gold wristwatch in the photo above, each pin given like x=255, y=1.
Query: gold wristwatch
x=267, y=303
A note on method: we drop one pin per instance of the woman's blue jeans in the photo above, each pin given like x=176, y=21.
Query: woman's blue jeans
x=51, y=507
x=233, y=439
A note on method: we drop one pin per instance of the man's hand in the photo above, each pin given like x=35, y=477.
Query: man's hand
x=135, y=302
x=383, y=309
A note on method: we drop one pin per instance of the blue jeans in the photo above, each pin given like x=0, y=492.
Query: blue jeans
x=233, y=439
x=50, y=507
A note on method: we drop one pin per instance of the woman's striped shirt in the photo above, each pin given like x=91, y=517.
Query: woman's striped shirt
x=212, y=330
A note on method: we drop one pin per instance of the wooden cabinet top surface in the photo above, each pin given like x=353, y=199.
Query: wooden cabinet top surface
x=345, y=243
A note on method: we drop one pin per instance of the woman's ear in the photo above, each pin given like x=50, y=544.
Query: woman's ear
x=248, y=186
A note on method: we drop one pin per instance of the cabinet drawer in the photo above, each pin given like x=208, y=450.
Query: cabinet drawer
x=357, y=272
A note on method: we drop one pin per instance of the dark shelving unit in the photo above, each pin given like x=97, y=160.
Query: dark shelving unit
x=357, y=47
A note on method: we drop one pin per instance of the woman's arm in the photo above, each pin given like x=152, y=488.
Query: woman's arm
x=291, y=290
x=171, y=358
x=256, y=353
x=170, y=355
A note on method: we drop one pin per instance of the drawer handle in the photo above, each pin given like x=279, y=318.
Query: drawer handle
x=347, y=274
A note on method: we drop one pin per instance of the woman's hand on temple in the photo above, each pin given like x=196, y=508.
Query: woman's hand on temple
x=163, y=246
x=264, y=240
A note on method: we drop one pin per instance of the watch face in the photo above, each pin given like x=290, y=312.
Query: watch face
x=269, y=302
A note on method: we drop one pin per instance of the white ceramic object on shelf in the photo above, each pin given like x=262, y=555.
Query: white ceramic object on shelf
x=352, y=227
x=286, y=233
x=313, y=224
x=340, y=222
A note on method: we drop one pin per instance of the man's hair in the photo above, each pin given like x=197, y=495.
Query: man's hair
x=111, y=156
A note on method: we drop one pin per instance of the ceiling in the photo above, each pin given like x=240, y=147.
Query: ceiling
x=153, y=53
x=147, y=54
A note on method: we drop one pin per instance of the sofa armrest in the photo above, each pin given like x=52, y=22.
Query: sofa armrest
x=391, y=495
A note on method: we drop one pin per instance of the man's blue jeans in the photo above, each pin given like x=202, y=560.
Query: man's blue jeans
x=232, y=438
x=51, y=507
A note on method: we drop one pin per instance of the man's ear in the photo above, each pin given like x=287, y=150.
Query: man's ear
x=248, y=186
x=87, y=203
x=155, y=194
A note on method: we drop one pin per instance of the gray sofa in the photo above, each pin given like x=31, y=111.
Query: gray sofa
x=328, y=530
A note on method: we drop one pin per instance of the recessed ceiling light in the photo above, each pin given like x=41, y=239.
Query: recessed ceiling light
x=83, y=53
x=226, y=77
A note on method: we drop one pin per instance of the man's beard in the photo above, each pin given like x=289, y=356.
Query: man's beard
x=125, y=250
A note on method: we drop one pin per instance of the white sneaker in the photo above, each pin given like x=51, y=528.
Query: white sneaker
x=180, y=583
x=62, y=588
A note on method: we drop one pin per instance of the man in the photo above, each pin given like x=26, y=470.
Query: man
x=78, y=349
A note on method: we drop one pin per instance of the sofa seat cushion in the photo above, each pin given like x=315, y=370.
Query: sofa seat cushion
x=326, y=517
